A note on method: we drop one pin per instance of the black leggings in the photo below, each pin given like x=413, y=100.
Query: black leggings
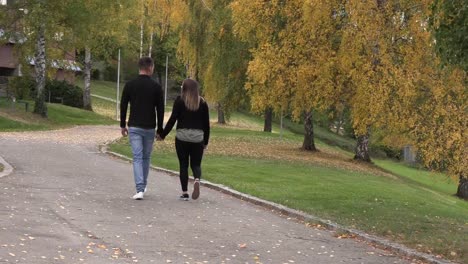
x=186, y=150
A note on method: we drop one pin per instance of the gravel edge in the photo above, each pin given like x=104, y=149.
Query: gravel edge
x=301, y=216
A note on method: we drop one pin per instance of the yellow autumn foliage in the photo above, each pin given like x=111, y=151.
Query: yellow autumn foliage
x=375, y=58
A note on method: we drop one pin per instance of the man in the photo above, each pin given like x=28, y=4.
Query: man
x=146, y=99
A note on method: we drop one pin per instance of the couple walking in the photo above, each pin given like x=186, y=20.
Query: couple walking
x=190, y=111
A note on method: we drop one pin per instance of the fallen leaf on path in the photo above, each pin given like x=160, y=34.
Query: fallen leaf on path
x=345, y=236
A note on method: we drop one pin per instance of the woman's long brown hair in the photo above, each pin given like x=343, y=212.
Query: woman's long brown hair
x=191, y=94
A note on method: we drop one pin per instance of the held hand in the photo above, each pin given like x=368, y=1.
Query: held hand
x=205, y=147
x=124, y=131
x=159, y=138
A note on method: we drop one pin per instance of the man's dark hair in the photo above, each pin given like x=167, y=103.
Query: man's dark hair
x=145, y=63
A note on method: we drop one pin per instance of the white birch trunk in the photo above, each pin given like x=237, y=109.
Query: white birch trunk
x=87, y=80
x=151, y=44
x=40, y=69
x=361, y=151
x=141, y=39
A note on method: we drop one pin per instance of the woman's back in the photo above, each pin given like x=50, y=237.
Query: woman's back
x=190, y=119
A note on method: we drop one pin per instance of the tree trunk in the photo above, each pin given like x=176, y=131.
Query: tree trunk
x=268, y=120
x=151, y=45
x=221, y=117
x=462, y=191
x=309, y=143
x=340, y=123
x=141, y=38
x=361, y=152
x=87, y=80
x=40, y=68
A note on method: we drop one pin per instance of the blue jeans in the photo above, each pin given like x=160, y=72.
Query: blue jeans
x=141, y=141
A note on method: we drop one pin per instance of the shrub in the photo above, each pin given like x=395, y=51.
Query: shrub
x=96, y=74
x=110, y=73
x=21, y=88
x=61, y=91
x=391, y=152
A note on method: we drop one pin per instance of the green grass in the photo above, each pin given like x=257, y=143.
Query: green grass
x=108, y=89
x=69, y=116
x=323, y=135
x=414, y=207
x=103, y=88
x=433, y=181
x=59, y=116
x=10, y=125
x=104, y=107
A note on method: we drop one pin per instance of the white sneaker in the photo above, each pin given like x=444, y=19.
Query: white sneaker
x=138, y=196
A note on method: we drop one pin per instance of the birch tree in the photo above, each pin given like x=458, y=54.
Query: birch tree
x=292, y=52
x=269, y=83
x=366, y=56
x=40, y=33
x=226, y=61
x=99, y=27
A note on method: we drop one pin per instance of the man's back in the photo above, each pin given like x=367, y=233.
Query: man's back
x=145, y=96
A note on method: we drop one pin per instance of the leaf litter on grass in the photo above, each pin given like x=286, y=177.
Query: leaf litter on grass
x=281, y=150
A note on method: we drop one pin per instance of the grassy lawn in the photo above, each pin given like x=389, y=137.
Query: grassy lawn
x=407, y=205
x=430, y=180
x=108, y=89
x=103, y=88
x=60, y=116
x=104, y=107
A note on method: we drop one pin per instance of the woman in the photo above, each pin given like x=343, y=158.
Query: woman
x=192, y=134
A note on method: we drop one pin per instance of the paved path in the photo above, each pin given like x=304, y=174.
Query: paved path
x=67, y=203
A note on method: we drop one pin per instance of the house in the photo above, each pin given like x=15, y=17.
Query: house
x=10, y=65
x=66, y=69
x=8, y=61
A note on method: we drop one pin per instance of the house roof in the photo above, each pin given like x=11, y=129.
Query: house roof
x=17, y=37
x=68, y=65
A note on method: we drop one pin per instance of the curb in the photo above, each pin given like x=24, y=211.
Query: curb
x=7, y=170
x=301, y=216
